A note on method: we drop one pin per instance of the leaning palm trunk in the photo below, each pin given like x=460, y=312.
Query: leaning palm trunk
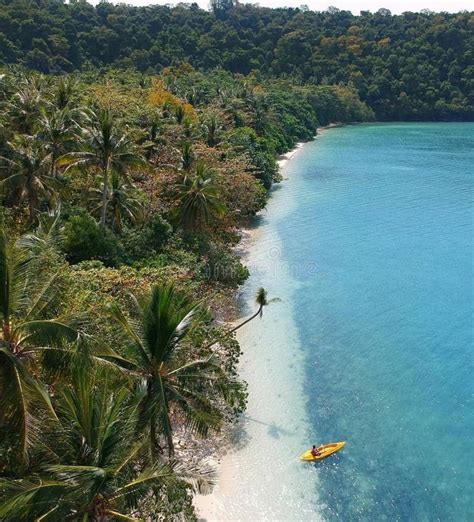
x=243, y=323
x=258, y=313
x=261, y=300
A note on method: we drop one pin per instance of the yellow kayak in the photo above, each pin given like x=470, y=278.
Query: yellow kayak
x=326, y=450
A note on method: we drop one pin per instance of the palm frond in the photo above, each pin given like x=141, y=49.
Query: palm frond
x=200, y=479
x=20, y=397
x=14, y=272
x=131, y=330
x=49, y=331
x=158, y=475
x=47, y=236
x=27, y=500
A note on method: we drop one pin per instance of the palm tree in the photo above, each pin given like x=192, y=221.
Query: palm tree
x=58, y=132
x=25, y=105
x=150, y=133
x=97, y=472
x=258, y=107
x=188, y=127
x=187, y=156
x=105, y=148
x=261, y=299
x=123, y=203
x=27, y=173
x=156, y=355
x=199, y=200
x=179, y=114
x=30, y=327
x=64, y=94
x=212, y=128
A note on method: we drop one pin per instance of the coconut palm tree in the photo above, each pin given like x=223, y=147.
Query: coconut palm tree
x=27, y=173
x=64, y=94
x=58, y=132
x=25, y=105
x=199, y=200
x=212, y=128
x=150, y=138
x=96, y=471
x=179, y=114
x=156, y=337
x=106, y=148
x=258, y=107
x=187, y=156
x=261, y=300
x=30, y=328
x=188, y=128
x=123, y=203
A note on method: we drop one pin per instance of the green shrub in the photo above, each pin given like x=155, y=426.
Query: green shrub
x=86, y=240
x=260, y=152
x=224, y=266
x=146, y=241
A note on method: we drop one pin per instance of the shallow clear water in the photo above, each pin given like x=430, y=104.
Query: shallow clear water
x=368, y=242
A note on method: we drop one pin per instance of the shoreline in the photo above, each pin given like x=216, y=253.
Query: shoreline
x=205, y=505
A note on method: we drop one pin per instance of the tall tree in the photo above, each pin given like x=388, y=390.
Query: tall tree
x=27, y=174
x=64, y=95
x=30, y=327
x=199, y=200
x=96, y=471
x=157, y=334
x=25, y=105
x=106, y=148
x=58, y=132
x=123, y=202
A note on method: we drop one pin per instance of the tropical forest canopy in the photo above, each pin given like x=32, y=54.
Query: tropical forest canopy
x=409, y=66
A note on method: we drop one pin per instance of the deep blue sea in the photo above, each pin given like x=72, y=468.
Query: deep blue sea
x=368, y=242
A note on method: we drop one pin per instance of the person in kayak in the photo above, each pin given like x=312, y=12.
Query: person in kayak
x=315, y=452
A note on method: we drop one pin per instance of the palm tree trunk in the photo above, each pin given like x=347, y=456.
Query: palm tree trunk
x=54, y=158
x=243, y=323
x=6, y=329
x=103, y=212
x=166, y=426
x=256, y=314
x=31, y=210
x=98, y=510
x=153, y=441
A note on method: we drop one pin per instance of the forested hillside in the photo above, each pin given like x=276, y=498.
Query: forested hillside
x=411, y=66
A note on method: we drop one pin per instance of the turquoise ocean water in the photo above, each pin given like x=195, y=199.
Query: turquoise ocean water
x=369, y=244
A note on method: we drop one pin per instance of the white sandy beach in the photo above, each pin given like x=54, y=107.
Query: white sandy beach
x=264, y=413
